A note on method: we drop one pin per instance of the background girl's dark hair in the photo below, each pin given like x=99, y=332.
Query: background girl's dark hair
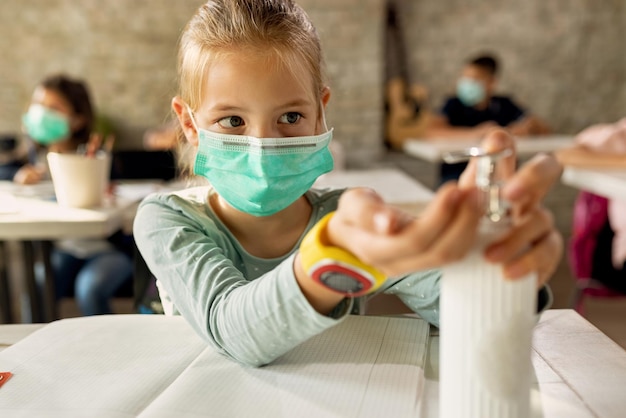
x=77, y=95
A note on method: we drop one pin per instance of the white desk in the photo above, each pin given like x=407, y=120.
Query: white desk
x=12, y=333
x=608, y=183
x=432, y=150
x=30, y=215
x=579, y=371
x=393, y=185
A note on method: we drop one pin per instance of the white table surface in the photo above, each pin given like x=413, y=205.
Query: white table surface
x=393, y=185
x=579, y=371
x=608, y=183
x=12, y=333
x=432, y=150
x=31, y=213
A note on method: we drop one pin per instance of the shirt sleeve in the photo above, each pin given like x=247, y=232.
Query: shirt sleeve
x=253, y=322
x=449, y=108
x=419, y=292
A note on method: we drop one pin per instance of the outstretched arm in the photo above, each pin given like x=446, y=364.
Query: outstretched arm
x=397, y=243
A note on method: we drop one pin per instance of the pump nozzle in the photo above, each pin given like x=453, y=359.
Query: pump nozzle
x=487, y=177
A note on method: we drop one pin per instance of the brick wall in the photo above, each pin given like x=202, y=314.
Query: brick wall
x=126, y=50
x=562, y=59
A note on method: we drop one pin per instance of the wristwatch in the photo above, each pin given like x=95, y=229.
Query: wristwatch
x=334, y=267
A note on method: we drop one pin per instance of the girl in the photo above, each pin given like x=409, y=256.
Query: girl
x=60, y=118
x=231, y=257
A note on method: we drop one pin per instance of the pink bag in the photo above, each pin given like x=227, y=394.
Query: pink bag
x=590, y=215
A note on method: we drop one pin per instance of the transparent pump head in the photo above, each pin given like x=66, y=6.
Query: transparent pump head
x=488, y=178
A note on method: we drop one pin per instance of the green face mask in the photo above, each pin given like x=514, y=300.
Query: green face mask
x=470, y=92
x=45, y=126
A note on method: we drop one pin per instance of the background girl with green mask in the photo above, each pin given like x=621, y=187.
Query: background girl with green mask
x=251, y=83
x=59, y=118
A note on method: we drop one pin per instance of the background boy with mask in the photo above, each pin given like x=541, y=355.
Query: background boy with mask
x=475, y=110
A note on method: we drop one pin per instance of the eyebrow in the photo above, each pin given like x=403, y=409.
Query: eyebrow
x=296, y=103
x=230, y=108
x=225, y=108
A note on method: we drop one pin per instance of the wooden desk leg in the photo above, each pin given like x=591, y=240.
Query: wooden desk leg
x=49, y=293
x=6, y=314
x=31, y=284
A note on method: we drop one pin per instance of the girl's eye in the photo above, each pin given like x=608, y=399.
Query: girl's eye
x=290, y=118
x=230, y=122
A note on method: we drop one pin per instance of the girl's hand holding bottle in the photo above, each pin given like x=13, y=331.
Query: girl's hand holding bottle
x=396, y=243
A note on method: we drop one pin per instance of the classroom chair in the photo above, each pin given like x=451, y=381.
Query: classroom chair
x=144, y=165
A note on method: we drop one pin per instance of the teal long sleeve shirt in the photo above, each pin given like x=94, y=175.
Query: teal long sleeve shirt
x=250, y=309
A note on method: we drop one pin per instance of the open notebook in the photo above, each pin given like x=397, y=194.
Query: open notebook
x=155, y=366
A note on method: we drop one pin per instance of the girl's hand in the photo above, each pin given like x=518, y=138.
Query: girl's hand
x=395, y=242
x=533, y=244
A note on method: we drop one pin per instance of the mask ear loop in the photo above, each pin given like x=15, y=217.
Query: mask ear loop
x=193, y=119
x=323, y=113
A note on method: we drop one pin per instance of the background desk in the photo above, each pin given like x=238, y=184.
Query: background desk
x=30, y=215
x=432, y=150
x=393, y=185
x=608, y=183
x=580, y=372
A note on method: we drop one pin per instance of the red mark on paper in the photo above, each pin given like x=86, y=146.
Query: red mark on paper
x=4, y=376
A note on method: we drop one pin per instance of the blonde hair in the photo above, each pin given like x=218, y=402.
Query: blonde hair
x=220, y=27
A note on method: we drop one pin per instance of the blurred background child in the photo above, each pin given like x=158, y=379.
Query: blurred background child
x=60, y=118
x=476, y=109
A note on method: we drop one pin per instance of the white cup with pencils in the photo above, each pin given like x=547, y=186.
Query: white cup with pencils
x=80, y=180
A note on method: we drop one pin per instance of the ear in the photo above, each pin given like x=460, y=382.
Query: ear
x=184, y=118
x=325, y=96
x=320, y=125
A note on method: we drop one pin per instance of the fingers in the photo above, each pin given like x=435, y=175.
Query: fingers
x=531, y=246
x=542, y=259
x=532, y=181
x=401, y=244
x=364, y=208
x=440, y=212
x=520, y=236
x=452, y=239
x=442, y=236
x=496, y=140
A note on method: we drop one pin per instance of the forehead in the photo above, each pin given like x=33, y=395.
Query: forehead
x=257, y=76
x=52, y=99
x=474, y=71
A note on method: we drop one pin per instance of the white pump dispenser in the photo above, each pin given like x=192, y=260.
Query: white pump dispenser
x=486, y=322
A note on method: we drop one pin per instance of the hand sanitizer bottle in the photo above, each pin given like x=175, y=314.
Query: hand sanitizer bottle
x=486, y=321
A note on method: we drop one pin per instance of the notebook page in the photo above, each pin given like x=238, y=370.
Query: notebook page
x=105, y=366
x=364, y=367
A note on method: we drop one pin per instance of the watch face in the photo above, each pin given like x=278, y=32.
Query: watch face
x=341, y=277
x=341, y=282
